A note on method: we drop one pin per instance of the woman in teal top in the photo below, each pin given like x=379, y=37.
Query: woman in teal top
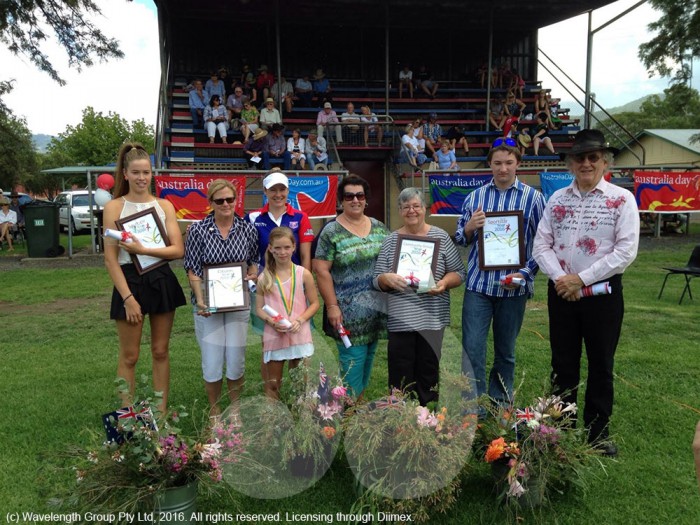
x=344, y=264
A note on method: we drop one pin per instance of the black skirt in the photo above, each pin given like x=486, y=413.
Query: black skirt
x=157, y=291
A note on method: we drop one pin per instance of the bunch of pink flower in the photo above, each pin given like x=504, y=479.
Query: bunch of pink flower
x=174, y=453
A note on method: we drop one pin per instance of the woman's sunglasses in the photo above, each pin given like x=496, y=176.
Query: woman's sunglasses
x=349, y=197
x=229, y=200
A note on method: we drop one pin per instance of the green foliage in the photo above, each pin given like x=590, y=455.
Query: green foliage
x=95, y=141
x=676, y=42
x=17, y=157
x=21, y=24
x=679, y=108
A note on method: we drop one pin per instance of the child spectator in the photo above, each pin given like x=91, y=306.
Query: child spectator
x=287, y=289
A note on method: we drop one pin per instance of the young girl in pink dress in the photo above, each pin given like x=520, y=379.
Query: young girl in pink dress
x=289, y=290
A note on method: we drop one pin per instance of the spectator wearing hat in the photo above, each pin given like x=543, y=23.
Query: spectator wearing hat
x=276, y=147
x=269, y=115
x=589, y=234
x=8, y=220
x=322, y=87
x=215, y=86
x=304, y=91
x=316, y=151
x=327, y=118
x=264, y=81
x=432, y=133
x=255, y=150
x=199, y=99
x=491, y=299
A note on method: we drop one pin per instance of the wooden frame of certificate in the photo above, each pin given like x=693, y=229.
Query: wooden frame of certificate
x=416, y=260
x=224, y=287
x=147, y=226
x=502, y=241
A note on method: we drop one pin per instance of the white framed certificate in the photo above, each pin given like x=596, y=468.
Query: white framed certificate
x=224, y=289
x=416, y=261
x=502, y=241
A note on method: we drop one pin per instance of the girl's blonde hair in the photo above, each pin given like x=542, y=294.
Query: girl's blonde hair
x=129, y=152
x=267, y=279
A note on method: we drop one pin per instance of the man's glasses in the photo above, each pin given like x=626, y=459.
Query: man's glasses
x=349, y=197
x=507, y=141
x=592, y=157
x=229, y=200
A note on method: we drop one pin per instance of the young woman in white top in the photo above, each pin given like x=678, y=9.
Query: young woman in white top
x=157, y=292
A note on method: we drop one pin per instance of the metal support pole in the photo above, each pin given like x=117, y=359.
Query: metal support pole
x=488, y=80
x=279, y=57
x=387, y=78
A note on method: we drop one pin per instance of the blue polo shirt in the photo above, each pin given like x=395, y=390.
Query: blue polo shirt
x=294, y=219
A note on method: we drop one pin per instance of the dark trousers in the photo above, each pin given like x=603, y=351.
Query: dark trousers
x=595, y=321
x=414, y=363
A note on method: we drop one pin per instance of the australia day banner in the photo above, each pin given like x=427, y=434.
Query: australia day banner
x=315, y=195
x=449, y=191
x=551, y=181
x=188, y=193
x=667, y=191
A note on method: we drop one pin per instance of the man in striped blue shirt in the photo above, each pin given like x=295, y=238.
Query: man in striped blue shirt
x=490, y=295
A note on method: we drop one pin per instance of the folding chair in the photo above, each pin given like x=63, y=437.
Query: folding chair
x=690, y=270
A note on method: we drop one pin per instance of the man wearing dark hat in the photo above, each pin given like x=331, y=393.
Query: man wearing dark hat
x=588, y=235
x=276, y=147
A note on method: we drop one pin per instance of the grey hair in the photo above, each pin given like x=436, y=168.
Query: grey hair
x=607, y=157
x=408, y=194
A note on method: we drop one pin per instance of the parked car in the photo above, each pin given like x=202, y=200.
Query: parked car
x=80, y=202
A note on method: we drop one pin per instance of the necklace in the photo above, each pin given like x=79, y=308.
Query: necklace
x=356, y=228
x=288, y=302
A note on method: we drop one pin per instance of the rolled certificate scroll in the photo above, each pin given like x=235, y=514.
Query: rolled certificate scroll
x=343, y=333
x=276, y=316
x=252, y=287
x=517, y=281
x=119, y=235
x=595, y=289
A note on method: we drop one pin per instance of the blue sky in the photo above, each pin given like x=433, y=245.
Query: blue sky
x=129, y=87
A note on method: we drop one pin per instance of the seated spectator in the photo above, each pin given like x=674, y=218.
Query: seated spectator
x=15, y=207
x=215, y=86
x=304, y=91
x=482, y=73
x=370, y=118
x=541, y=135
x=349, y=117
x=276, y=147
x=497, y=114
x=512, y=103
x=234, y=104
x=510, y=128
x=269, y=115
x=223, y=75
x=456, y=137
x=409, y=150
x=249, y=118
x=255, y=150
x=425, y=82
x=418, y=134
x=542, y=106
x=432, y=132
x=283, y=94
x=445, y=157
x=8, y=220
x=505, y=76
x=316, y=151
x=296, y=149
x=199, y=99
x=517, y=84
x=326, y=119
x=216, y=118
x=264, y=81
x=406, y=79
x=322, y=88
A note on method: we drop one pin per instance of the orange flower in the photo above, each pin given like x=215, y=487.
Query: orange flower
x=329, y=432
x=495, y=450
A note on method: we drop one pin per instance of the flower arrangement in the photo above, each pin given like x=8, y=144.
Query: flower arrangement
x=537, y=451
x=408, y=458
x=153, y=454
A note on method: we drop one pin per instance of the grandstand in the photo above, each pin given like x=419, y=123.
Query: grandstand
x=361, y=46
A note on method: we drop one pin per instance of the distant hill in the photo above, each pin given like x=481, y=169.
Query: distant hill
x=41, y=142
x=633, y=107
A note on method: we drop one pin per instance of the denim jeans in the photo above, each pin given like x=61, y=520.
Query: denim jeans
x=478, y=311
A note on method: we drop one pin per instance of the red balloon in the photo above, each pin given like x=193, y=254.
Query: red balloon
x=105, y=181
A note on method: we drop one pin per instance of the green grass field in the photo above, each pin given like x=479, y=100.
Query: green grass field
x=59, y=354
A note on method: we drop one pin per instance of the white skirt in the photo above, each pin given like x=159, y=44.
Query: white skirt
x=293, y=352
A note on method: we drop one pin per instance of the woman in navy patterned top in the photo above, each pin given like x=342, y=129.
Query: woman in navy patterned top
x=220, y=238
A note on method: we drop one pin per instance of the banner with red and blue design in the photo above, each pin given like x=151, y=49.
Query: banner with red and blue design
x=551, y=181
x=314, y=195
x=188, y=193
x=448, y=192
x=667, y=191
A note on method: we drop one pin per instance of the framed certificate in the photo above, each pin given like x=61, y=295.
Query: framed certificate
x=146, y=225
x=416, y=261
x=224, y=289
x=502, y=241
